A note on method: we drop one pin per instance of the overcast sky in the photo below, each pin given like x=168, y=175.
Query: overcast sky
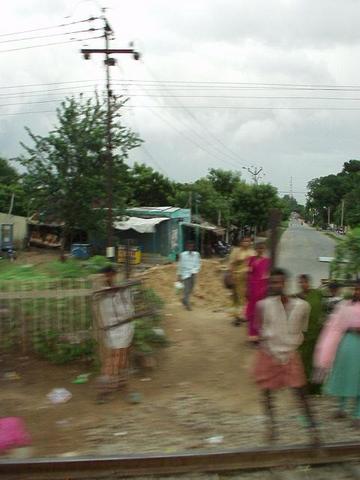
x=242, y=43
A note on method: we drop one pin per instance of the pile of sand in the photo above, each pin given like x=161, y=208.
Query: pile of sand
x=209, y=291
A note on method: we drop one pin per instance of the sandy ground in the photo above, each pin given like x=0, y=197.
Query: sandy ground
x=200, y=395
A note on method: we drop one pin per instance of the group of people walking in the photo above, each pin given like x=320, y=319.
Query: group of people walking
x=303, y=340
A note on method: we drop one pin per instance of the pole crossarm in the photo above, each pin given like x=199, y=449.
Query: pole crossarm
x=109, y=51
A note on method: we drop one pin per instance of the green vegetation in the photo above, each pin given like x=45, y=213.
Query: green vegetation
x=55, y=348
x=65, y=179
x=346, y=264
x=335, y=193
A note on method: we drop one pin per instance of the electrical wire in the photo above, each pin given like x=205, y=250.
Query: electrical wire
x=51, y=44
x=46, y=84
x=49, y=35
x=90, y=19
x=224, y=148
x=26, y=113
x=232, y=107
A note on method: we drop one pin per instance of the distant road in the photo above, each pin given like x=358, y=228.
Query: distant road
x=300, y=249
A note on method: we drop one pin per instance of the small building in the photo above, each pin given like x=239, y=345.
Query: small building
x=19, y=228
x=155, y=230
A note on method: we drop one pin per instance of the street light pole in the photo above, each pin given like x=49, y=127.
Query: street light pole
x=109, y=62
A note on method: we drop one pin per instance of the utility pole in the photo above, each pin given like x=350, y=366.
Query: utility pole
x=109, y=62
x=342, y=213
x=329, y=212
x=291, y=188
x=254, y=172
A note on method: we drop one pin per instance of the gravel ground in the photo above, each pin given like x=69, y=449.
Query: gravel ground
x=196, y=423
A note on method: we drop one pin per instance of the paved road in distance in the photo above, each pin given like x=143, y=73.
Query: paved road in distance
x=299, y=252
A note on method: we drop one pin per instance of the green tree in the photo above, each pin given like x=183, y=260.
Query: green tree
x=224, y=181
x=149, y=187
x=11, y=184
x=66, y=173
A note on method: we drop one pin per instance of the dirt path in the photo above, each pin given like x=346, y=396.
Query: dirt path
x=200, y=389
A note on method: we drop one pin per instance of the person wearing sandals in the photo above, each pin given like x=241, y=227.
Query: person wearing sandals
x=238, y=268
x=282, y=321
x=337, y=356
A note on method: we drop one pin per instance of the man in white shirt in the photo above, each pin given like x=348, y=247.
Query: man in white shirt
x=282, y=321
x=188, y=267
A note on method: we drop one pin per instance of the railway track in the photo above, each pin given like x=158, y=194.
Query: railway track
x=226, y=461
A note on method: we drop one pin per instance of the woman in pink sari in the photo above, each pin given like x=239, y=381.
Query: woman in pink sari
x=257, y=287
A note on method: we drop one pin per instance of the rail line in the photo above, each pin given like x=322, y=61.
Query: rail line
x=166, y=464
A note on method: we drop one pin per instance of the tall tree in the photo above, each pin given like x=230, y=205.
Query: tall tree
x=66, y=174
x=149, y=187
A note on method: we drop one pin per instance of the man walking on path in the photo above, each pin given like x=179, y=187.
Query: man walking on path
x=188, y=268
x=282, y=321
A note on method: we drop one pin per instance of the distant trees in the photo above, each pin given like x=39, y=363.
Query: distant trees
x=65, y=177
x=330, y=191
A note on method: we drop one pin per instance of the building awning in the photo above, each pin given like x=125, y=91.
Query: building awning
x=141, y=225
x=205, y=226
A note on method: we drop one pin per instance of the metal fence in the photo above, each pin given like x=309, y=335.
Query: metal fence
x=32, y=308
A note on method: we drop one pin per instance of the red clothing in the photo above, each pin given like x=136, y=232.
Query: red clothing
x=257, y=287
x=271, y=374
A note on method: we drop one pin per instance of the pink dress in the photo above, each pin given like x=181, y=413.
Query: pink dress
x=257, y=287
x=345, y=316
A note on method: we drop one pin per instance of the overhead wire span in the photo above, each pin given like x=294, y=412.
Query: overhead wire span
x=232, y=107
x=36, y=37
x=51, y=44
x=52, y=27
x=224, y=148
x=45, y=84
x=26, y=113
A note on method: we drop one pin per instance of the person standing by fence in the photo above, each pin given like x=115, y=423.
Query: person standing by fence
x=188, y=267
x=115, y=338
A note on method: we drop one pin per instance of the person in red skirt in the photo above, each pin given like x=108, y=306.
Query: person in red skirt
x=282, y=321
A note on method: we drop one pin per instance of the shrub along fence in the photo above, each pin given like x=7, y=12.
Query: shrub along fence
x=31, y=311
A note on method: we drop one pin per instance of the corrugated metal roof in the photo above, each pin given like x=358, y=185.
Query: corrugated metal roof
x=154, y=209
x=141, y=225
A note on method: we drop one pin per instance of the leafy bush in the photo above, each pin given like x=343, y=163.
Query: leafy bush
x=146, y=338
x=346, y=264
x=54, y=347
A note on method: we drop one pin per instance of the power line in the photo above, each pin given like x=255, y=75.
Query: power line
x=256, y=97
x=46, y=84
x=90, y=19
x=49, y=35
x=221, y=84
x=50, y=44
x=26, y=113
x=31, y=103
x=232, y=107
x=233, y=156
x=39, y=93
